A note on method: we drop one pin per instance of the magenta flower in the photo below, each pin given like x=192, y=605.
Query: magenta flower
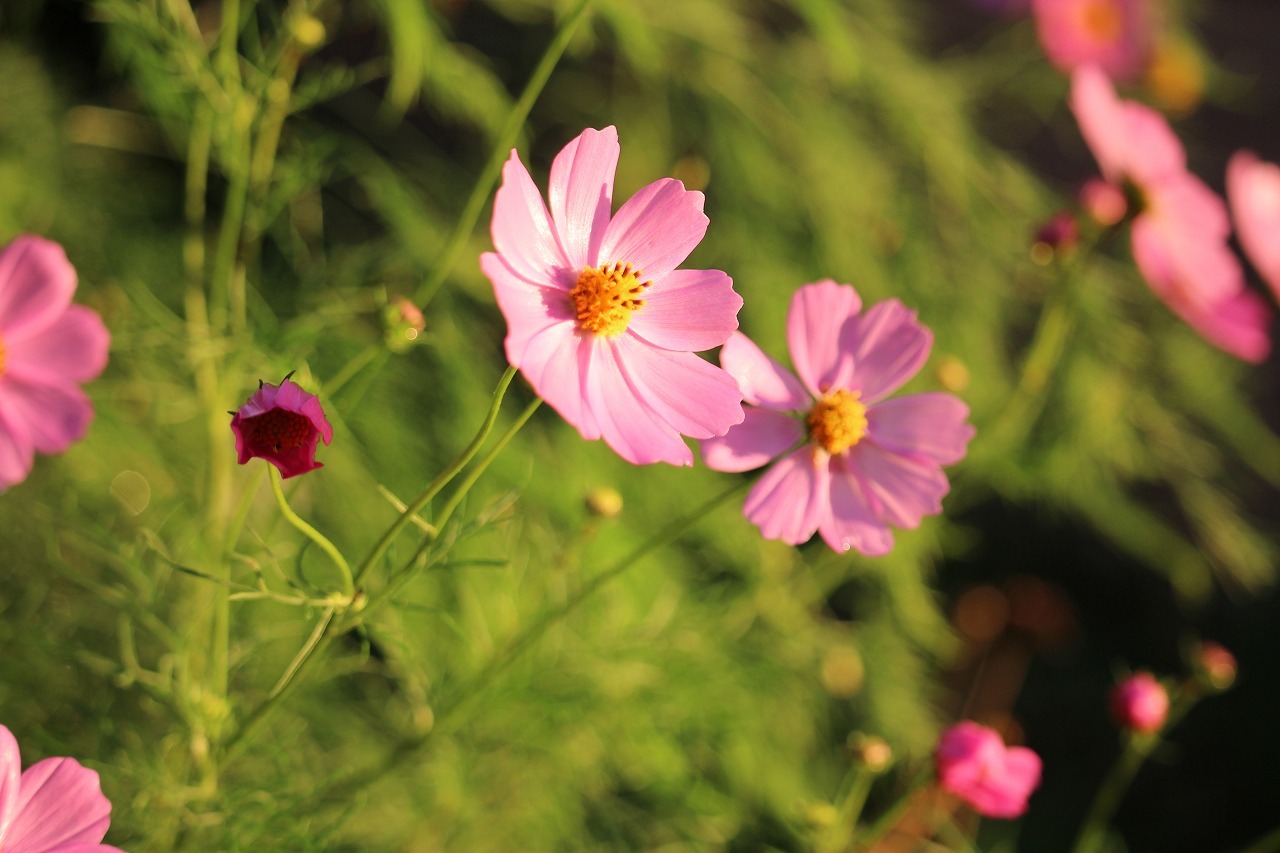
x=1115, y=35
x=1253, y=189
x=56, y=806
x=281, y=424
x=851, y=462
x=974, y=764
x=1180, y=229
x=599, y=320
x=48, y=347
x=1140, y=703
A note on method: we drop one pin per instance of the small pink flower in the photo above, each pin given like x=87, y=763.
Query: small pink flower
x=599, y=320
x=1179, y=234
x=1253, y=189
x=974, y=764
x=56, y=806
x=48, y=347
x=1104, y=203
x=281, y=424
x=1115, y=35
x=1140, y=703
x=852, y=463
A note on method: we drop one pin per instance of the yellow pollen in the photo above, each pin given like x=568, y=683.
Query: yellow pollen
x=838, y=421
x=1101, y=19
x=605, y=297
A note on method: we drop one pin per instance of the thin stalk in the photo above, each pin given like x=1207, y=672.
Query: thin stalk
x=506, y=139
x=877, y=830
x=348, y=582
x=351, y=369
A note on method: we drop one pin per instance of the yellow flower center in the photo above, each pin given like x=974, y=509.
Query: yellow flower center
x=838, y=421
x=605, y=297
x=1101, y=19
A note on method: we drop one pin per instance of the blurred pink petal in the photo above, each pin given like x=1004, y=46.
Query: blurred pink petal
x=1115, y=35
x=974, y=764
x=762, y=435
x=688, y=310
x=626, y=422
x=929, y=425
x=56, y=416
x=656, y=229
x=851, y=523
x=815, y=322
x=71, y=348
x=1129, y=140
x=1253, y=189
x=60, y=804
x=36, y=285
x=1140, y=703
x=17, y=453
x=888, y=347
x=10, y=773
x=791, y=499
x=904, y=489
x=694, y=397
x=763, y=381
x=1103, y=202
x=521, y=228
x=283, y=425
x=581, y=193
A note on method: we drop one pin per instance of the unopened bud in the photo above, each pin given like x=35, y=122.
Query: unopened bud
x=604, y=502
x=404, y=322
x=1215, y=666
x=821, y=815
x=843, y=672
x=1056, y=237
x=1103, y=202
x=870, y=751
x=1140, y=703
x=307, y=31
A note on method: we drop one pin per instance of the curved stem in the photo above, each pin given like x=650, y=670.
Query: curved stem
x=348, y=582
x=877, y=830
x=466, y=222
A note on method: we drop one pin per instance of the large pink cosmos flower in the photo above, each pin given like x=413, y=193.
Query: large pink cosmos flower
x=1253, y=189
x=282, y=424
x=1115, y=35
x=1179, y=234
x=48, y=347
x=852, y=463
x=56, y=806
x=599, y=320
x=974, y=764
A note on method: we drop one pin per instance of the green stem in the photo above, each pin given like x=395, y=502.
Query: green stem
x=506, y=139
x=850, y=807
x=877, y=830
x=348, y=582
x=440, y=481
x=351, y=369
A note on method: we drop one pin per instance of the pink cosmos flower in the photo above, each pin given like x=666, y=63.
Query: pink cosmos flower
x=1253, y=189
x=974, y=764
x=599, y=320
x=849, y=462
x=1140, y=703
x=281, y=424
x=1115, y=35
x=1180, y=230
x=56, y=806
x=48, y=347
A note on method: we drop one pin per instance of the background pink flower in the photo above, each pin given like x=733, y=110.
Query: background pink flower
x=56, y=806
x=1253, y=189
x=1180, y=231
x=599, y=320
x=974, y=764
x=850, y=463
x=282, y=424
x=1140, y=703
x=47, y=348
x=1115, y=35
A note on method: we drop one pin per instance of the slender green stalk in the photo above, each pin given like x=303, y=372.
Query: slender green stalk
x=348, y=581
x=877, y=830
x=506, y=139
x=352, y=368
x=856, y=790
x=440, y=481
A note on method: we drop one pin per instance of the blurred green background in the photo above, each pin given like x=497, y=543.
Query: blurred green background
x=1110, y=513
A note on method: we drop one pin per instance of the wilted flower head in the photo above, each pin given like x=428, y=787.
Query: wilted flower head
x=1253, y=189
x=1115, y=35
x=974, y=764
x=47, y=348
x=56, y=806
x=599, y=320
x=282, y=424
x=852, y=462
x=1180, y=230
x=1140, y=703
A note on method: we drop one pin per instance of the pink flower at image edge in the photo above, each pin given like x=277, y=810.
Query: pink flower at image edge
x=1115, y=35
x=847, y=462
x=55, y=806
x=282, y=424
x=974, y=764
x=48, y=347
x=599, y=319
x=1253, y=190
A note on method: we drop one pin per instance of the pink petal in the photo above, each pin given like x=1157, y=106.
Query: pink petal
x=903, y=489
x=1237, y=325
x=762, y=435
x=627, y=424
x=60, y=804
x=1098, y=112
x=53, y=416
x=36, y=284
x=521, y=229
x=791, y=499
x=888, y=348
x=688, y=310
x=10, y=773
x=17, y=454
x=73, y=348
x=1153, y=149
x=581, y=193
x=1069, y=43
x=814, y=324
x=852, y=523
x=1253, y=188
x=555, y=363
x=527, y=307
x=656, y=229
x=693, y=397
x=929, y=425
x=763, y=381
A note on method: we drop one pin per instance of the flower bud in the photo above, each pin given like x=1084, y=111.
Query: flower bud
x=873, y=753
x=1103, y=202
x=404, y=323
x=1057, y=236
x=604, y=502
x=1215, y=666
x=1139, y=703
